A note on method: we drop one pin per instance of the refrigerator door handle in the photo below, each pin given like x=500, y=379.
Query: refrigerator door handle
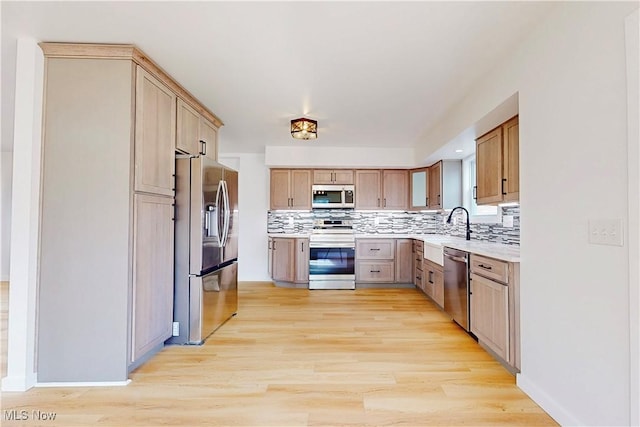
x=227, y=213
x=219, y=211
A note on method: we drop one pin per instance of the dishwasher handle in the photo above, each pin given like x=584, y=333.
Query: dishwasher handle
x=457, y=258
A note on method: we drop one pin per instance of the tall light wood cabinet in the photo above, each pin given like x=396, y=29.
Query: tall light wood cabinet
x=368, y=188
x=497, y=164
x=106, y=238
x=445, y=184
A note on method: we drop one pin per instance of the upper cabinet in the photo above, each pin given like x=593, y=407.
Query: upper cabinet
x=386, y=189
x=195, y=134
x=497, y=164
x=333, y=176
x=419, y=180
x=155, y=133
x=445, y=184
x=437, y=187
x=290, y=189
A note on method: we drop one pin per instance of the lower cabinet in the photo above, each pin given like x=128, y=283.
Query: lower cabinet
x=302, y=261
x=288, y=259
x=384, y=260
x=404, y=261
x=152, y=273
x=494, y=299
x=282, y=259
x=434, y=282
x=490, y=314
x=418, y=262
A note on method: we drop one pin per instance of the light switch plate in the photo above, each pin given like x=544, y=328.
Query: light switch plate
x=606, y=232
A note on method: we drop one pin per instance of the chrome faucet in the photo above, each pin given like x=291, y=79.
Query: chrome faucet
x=468, y=228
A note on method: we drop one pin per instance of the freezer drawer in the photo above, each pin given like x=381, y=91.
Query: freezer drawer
x=213, y=301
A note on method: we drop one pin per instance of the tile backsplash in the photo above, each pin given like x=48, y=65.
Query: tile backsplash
x=398, y=223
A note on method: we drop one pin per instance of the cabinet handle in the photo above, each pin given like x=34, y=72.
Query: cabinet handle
x=378, y=202
x=274, y=245
x=333, y=179
x=475, y=190
x=374, y=249
x=385, y=202
x=418, y=278
x=203, y=147
x=504, y=193
x=438, y=199
x=427, y=204
x=374, y=271
x=431, y=277
x=301, y=246
x=269, y=245
x=486, y=267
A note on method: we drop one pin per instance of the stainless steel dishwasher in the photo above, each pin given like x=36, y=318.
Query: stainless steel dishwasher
x=456, y=286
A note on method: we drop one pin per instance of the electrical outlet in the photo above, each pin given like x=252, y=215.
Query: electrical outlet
x=176, y=329
x=507, y=221
x=606, y=232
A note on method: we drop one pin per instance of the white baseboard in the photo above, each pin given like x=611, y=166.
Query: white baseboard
x=85, y=384
x=18, y=383
x=546, y=402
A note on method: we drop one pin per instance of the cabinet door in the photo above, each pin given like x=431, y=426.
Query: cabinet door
x=188, y=132
x=343, y=176
x=208, y=143
x=511, y=160
x=300, y=189
x=418, y=189
x=368, y=189
x=283, y=259
x=270, y=256
x=489, y=167
x=404, y=261
x=302, y=260
x=323, y=176
x=438, y=286
x=395, y=189
x=435, y=186
x=490, y=314
x=155, y=135
x=152, y=311
x=280, y=198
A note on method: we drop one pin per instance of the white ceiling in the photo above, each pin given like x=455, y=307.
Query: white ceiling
x=374, y=74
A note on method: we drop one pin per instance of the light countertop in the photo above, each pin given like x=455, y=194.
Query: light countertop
x=509, y=253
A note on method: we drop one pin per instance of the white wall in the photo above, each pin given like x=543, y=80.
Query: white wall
x=6, y=170
x=571, y=77
x=253, y=200
x=310, y=156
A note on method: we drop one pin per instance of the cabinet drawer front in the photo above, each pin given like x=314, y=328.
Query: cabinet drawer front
x=375, y=271
x=419, y=245
x=375, y=249
x=491, y=268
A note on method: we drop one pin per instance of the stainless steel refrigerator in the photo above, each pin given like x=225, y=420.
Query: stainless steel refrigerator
x=206, y=248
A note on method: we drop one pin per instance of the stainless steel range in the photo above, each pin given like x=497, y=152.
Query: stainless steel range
x=332, y=247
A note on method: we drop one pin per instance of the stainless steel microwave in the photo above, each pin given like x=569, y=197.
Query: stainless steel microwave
x=333, y=196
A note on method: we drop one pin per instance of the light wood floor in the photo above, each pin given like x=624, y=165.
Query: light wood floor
x=307, y=358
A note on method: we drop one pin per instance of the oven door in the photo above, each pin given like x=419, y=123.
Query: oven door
x=331, y=262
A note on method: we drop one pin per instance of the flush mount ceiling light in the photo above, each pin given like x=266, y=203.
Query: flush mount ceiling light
x=304, y=128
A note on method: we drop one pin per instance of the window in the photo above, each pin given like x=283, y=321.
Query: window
x=482, y=213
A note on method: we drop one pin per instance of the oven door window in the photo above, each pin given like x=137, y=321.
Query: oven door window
x=330, y=197
x=332, y=261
